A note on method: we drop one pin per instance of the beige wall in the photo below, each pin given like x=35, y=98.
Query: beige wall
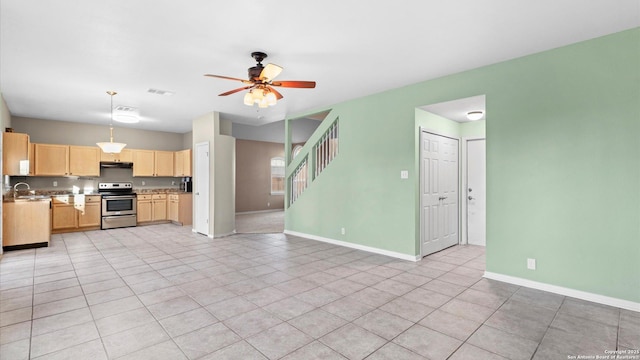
x=207, y=128
x=5, y=121
x=5, y=115
x=253, y=175
x=187, y=140
x=64, y=132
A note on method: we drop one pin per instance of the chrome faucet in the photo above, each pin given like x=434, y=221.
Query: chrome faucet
x=15, y=187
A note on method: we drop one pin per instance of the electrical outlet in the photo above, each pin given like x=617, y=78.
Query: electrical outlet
x=268, y=204
x=404, y=174
x=342, y=231
x=55, y=183
x=144, y=183
x=531, y=264
x=173, y=183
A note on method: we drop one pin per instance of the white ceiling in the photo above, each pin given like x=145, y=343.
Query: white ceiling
x=457, y=110
x=58, y=58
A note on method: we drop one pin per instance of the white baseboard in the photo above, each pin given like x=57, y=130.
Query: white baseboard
x=259, y=211
x=196, y=232
x=223, y=235
x=600, y=299
x=355, y=246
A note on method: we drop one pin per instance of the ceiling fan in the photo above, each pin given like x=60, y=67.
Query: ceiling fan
x=261, y=84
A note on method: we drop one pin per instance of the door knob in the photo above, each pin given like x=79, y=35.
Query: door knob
x=470, y=197
x=442, y=197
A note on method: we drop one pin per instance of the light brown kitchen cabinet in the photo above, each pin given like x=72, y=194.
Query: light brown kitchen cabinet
x=143, y=163
x=63, y=213
x=126, y=155
x=163, y=162
x=89, y=216
x=64, y=160
x=159, y=207
x=182, y=163
x=84, y=160
x=32, y=159
x=51, y=160
x=174, y=207
x=180, y=208
x=15, y=148
x=26, y=222
x=71, y=213
x=152, y=163
x=144, y=208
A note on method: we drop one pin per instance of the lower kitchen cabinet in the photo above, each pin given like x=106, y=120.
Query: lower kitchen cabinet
x=63, y=214
x=180, y=208
x=144, y=208
x=152, y=207
x=26, y=222
x=90, y=215
x=159, y=208
x=71, y=214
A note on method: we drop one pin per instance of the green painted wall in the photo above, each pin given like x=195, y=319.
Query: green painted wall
x=563, y=168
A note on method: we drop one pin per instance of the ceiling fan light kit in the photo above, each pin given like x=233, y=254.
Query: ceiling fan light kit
x=260, y=83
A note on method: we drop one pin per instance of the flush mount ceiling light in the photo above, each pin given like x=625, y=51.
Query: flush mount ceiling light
x=126, y=114
x=475, y=115
x=126, y=118
x=111, y=147
x=261, y=83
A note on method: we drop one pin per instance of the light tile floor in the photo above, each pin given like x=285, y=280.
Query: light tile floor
x=162, y=292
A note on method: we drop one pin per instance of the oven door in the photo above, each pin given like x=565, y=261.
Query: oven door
x=118, y=205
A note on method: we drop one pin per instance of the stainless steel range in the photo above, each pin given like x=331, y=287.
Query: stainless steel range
x=118, y=205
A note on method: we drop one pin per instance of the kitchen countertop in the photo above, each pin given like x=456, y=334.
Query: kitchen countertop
x=9, y=197
x=159, y=191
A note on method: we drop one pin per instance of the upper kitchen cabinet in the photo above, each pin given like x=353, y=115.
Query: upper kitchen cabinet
x=125, y=156
x=84, y=160
x=15, y=148
x=164, y=163
x=152, y=163
x=65, y=160
x=143, y=163
x=182, y=163
x=51, y=160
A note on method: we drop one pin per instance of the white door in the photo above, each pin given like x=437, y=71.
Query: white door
x=476, y=192
x=439, y=192
x=201, y=189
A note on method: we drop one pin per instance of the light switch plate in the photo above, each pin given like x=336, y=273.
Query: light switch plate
x=404, y=174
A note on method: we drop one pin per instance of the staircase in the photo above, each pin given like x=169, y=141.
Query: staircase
x=319, y=151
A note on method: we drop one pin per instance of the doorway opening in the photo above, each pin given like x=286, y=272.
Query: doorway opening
x=260, y=171
x=439, y=215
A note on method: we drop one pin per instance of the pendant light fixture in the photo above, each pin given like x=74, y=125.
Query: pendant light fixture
x=111, y=147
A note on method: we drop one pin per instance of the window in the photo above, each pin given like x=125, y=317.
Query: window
x=277, y=176
x=296, y=151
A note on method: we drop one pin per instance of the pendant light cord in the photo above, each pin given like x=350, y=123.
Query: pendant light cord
x=111, y=119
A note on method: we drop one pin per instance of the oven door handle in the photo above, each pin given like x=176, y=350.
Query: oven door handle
x=118, y=197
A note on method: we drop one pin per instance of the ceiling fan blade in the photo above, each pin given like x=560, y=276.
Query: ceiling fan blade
x=235, y=90
x=270, y=72
x=229, y=78
x=276, y=93
x=295, y=84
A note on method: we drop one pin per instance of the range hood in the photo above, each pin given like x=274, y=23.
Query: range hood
x=114, y=164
